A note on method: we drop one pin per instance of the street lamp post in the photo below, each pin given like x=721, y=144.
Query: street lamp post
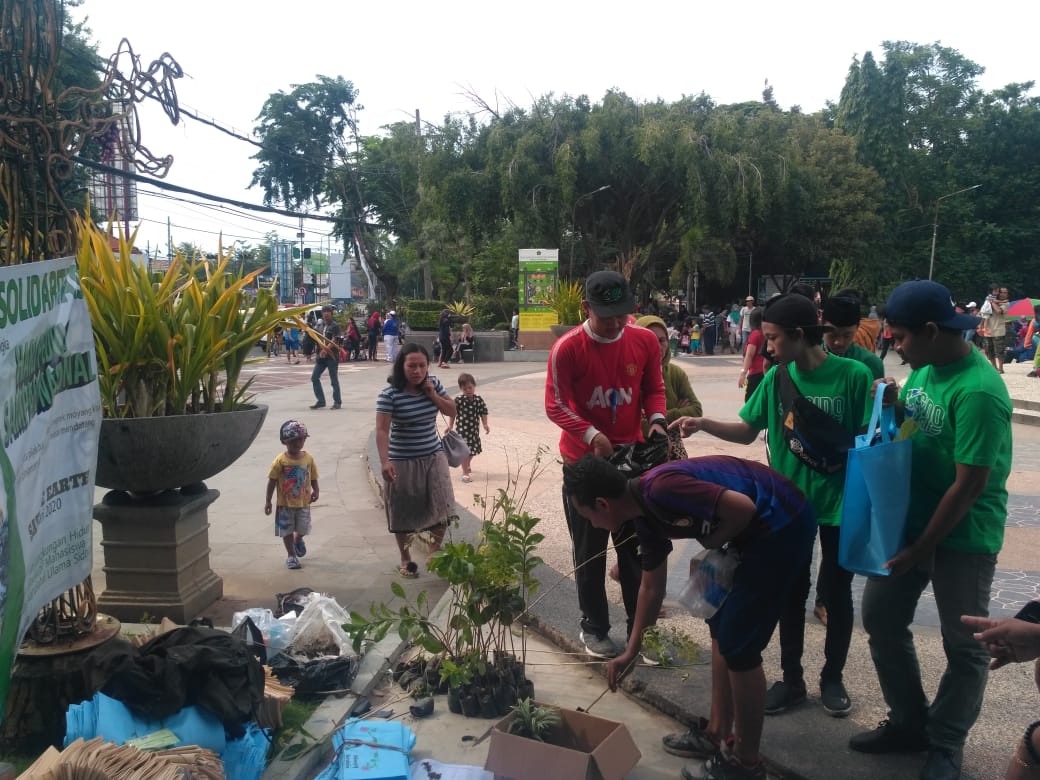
x=935, y=224
x=574, y=212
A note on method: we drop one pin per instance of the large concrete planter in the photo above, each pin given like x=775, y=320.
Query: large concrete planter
x=559, y=330
x=155, y=522
x=146, y=455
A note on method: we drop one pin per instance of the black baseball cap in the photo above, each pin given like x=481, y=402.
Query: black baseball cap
x=608, y=294
x=913, y=304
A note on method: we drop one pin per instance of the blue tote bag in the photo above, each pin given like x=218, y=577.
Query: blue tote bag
x=877, y=496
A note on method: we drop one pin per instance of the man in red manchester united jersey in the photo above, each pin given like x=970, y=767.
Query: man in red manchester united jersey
x=603, y=378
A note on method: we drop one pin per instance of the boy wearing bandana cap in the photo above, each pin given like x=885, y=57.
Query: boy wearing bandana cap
x=841, y=313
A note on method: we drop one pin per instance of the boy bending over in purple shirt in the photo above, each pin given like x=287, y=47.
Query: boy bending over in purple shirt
x=719, y=501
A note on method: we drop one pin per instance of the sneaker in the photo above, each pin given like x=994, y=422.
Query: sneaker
x=693, y=743
x=835, y=699
x=292, y=563
x=600, y=647
x=726, y=766
x=942, y=764
x=887, y=738
x=783, y=695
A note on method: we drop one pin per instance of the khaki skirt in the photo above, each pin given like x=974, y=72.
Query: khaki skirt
x=422, y=496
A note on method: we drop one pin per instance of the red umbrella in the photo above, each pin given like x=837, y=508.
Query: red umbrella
x=1023, y=307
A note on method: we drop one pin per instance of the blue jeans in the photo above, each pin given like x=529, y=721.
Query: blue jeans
x=320, y=365
x=961, y=584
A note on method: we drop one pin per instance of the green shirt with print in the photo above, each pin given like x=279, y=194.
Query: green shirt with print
x=959, y=413
x=838, y=386
x=867, y=358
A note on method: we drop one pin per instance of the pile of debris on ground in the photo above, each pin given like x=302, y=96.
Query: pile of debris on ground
x=198, y=702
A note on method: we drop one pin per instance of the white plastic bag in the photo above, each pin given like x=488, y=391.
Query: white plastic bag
x=711, y=577
x=262, y=619
x=319, y=629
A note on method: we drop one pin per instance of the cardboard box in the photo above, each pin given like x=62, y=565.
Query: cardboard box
x=581, y=747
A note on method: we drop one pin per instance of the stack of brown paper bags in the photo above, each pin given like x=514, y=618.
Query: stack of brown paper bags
x=99, y=760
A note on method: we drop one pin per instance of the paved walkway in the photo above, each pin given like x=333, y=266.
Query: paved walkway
x=353, y=558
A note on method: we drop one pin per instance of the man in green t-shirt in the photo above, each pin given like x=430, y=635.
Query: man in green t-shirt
x=957, y=413
x=841, y=388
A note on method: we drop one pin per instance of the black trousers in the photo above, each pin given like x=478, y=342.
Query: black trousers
x=836, y=583
x=590, y=545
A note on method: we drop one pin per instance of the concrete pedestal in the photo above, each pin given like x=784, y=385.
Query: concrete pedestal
x=157, y=554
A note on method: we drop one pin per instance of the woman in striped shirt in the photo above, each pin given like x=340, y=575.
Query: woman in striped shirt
x=418, y=493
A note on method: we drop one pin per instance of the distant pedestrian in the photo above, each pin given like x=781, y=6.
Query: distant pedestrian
x=292, y=345
x=471, y=413
x=294, y=476
x=745, y=319
x=514, y=330
x=444, y=338
x=391, y=330
x=328, y=359
x=754, y=365
x=373, y=334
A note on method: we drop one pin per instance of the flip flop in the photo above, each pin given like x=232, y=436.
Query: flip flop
x=408, y=570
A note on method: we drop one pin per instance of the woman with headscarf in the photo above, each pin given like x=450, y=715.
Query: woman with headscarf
x=680, y=400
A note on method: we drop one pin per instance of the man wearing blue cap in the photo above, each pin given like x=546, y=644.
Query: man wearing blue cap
x=957, y=412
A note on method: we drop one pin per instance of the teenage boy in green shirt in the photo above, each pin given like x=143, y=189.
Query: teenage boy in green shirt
x=841, y=388
x=957, y=414
x=841, y=313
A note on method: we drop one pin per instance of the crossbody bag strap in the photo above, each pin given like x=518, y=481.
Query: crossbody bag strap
x=789, y=391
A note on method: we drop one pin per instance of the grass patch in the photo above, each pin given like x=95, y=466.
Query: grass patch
x=19, y=761
x=294, y=717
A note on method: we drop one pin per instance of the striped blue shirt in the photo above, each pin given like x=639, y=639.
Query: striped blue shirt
x=413, y=421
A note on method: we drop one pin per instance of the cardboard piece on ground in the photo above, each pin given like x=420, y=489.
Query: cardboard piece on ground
x=581, y=747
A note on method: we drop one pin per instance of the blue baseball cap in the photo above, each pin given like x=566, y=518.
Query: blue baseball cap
x=913, y=304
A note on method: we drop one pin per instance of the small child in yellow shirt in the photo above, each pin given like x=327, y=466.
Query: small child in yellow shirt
x=295, y=476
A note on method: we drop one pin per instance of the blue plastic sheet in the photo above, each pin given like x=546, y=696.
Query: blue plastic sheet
x=103, y=716
x=877, y=496
x=369, y=750
x=245, y=758
x=106, y=717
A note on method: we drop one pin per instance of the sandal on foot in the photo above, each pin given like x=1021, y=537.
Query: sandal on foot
x=300, y=548
x=467, y=478
x=408, y=570
x=292, y=563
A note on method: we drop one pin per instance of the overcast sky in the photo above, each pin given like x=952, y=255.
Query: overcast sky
x=404, y=56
